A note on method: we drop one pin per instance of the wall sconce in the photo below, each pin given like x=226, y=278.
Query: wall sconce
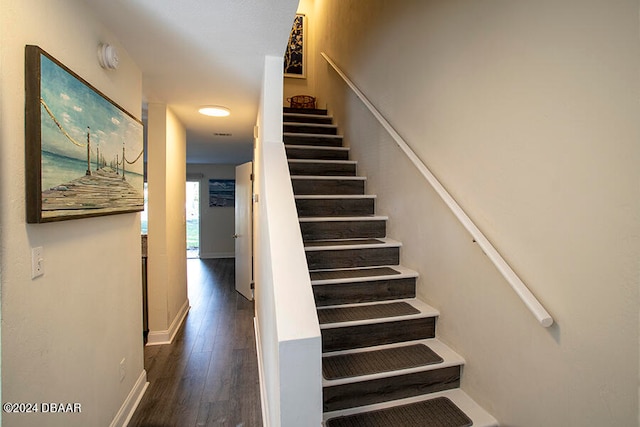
x=108, y=56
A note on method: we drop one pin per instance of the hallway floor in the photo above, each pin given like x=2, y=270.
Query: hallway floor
x=208, y=376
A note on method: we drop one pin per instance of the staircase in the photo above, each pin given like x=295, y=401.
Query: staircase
x=382, y=365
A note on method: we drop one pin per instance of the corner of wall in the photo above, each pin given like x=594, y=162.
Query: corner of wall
x=167, y=268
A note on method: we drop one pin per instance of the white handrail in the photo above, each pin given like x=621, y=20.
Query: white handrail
x=532, y=303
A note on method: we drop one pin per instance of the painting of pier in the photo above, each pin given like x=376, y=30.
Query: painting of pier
x=84, y=153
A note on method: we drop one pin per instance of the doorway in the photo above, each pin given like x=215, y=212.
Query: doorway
x=193, y=219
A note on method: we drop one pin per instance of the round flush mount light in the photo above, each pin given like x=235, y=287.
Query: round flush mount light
x=214, y=111
x=108, y=57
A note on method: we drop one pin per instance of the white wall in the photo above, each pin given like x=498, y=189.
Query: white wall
x=167, y=248
x=65, y=333
x=289, y=344
x=217, y=224
x=527, y=112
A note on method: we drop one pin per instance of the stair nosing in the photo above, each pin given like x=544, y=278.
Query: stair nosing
x=450, y=358
x=405, y=273
x=385, y=243
x=426, y=311
x=312, y=135
x=479, y=416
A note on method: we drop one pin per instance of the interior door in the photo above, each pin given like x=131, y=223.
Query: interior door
x=244, y=226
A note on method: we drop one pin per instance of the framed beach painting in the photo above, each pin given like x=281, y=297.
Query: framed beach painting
x=222, y=193
x=84, y=153
x=294, y=56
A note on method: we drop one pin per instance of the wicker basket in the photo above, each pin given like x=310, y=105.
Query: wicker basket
x=302, y=101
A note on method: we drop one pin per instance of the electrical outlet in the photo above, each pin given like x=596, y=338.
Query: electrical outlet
x=123, y=369
x=37, y=262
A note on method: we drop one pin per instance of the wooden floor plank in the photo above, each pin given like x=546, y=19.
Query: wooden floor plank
x=209, y=375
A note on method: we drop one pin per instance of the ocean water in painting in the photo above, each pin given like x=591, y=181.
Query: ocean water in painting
x=58, y=170
x=222, y=192
x=81, y=130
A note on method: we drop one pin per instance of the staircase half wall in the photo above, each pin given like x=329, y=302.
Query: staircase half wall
x=287, y=330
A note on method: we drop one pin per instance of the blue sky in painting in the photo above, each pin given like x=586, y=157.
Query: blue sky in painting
x=76, y=107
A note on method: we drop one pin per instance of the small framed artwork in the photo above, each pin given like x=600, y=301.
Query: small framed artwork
x=84, y=153
x=222, y=193
x=295, y=55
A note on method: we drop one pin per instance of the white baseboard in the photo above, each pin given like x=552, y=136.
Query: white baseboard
x=131, y=402
x=166, y=337
x=211, y=255
x=263, y=390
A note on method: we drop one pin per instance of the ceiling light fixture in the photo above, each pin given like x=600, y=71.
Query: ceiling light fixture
x=214, y=111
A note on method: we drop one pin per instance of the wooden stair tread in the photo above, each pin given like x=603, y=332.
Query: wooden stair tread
x=347, y=219
x=326, y=169
x=322, y=116
x=377, y=361
x=310, y=111
x=340, y=228
x=333, y=196
x=325, y=243
x=311, y=135
x=317, y=152
x=328, y=184
x=318, y=245
x=312, y=140
x=339, y=205
x=309, y=124
x=329, y=178
x=320, y=161
x=352, y=273
x=316, y=147
x=365, y=312
x=338, y=254
x=363, y=285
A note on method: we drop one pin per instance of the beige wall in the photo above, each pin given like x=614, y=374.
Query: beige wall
x=167, y=259
x=64, y=334
x=307, y=86
x=217, y=225
x=527, y=112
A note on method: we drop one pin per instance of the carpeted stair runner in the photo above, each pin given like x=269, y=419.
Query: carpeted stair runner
x=378, y=361
x=438, y=412
x=365, y=312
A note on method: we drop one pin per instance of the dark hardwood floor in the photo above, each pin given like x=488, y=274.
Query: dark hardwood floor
x=209, y=375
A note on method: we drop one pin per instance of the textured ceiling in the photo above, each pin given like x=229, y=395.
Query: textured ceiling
x=201, y=52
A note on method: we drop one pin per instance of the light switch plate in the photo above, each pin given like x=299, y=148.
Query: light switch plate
x=37, y=262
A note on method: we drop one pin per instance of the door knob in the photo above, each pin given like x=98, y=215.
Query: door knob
x=235, y=236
